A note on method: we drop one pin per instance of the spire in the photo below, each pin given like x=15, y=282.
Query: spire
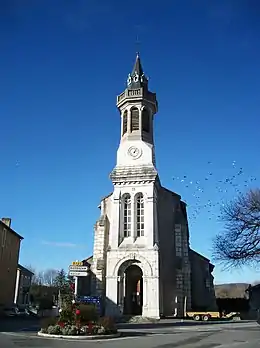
x=138, y=66
x=137, y=78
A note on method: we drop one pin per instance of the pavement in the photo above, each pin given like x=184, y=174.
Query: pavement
x=165, y=334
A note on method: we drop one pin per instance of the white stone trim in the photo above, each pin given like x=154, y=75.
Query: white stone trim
x=144, y=264
x=79, y=337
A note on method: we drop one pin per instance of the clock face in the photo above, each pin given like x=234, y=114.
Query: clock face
x=134, y=152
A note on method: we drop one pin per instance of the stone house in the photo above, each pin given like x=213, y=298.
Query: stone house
x=9, y=255
x=22, y=286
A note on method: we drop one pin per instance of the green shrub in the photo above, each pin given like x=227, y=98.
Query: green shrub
x=102, y=331
x=95, y=329
x=49, y=321
x=67, y=315
x=88, y=313
x=69, y=330
x=54, y=330
x=108, y=325
x=73, y=330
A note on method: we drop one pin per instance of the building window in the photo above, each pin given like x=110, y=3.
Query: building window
x=178, y=240
x=179, y=281
x=126, y=215
x=124, y=122
x=145, y=121
x=139, y=215
x=134, y=119
x=3, y=237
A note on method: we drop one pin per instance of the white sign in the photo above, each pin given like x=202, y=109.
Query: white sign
x=78, y=268
x=78, y=274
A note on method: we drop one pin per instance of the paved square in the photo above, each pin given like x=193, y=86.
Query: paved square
x=166, y=334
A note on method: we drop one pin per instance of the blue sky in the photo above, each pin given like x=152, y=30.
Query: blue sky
x=62, y=64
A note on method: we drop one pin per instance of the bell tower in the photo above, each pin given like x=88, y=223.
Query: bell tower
x=137, y=107
x=133, y=209
x=135, y=178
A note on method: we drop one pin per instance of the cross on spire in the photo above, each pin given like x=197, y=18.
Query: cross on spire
x=137, y=44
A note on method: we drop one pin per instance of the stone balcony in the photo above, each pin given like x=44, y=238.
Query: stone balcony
x=135, y=94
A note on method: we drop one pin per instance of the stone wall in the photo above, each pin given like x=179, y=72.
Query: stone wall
x=101, y=237
x=9, y=255
x=174, y=261
x=203, y=293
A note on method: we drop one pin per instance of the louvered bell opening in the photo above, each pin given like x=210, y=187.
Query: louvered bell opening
x=134, y=119
x=124, y=122
x=145, y=121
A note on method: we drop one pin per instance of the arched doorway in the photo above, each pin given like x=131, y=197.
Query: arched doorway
x=133, y=299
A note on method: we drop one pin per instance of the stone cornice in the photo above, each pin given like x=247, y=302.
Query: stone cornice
x=142, y=174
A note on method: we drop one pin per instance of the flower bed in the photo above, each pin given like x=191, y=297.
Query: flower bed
x=78, y=320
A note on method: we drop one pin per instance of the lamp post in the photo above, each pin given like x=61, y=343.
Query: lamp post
x=76, y=287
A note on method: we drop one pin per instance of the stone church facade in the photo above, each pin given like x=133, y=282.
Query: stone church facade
x=142, y=262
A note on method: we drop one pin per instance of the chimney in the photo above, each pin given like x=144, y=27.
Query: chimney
x=7, y=221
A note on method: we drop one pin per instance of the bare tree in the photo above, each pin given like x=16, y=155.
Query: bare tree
x=46, y=277
x=239, y=243
x=35, y=277
x=49, y=276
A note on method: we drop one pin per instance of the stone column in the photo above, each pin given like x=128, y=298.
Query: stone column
x=112, y=307
x=133, y=217
x=151, y=297
x=115, y=223
x=121, y=290
x=149, y=221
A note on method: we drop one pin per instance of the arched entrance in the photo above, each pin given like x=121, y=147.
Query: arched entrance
x=130, y=288
x=133, y=299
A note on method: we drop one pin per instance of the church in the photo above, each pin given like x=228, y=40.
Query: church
x=142, y=263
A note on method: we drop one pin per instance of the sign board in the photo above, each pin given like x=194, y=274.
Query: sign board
x=77, y=263
x=78, y=273
x=79, y=268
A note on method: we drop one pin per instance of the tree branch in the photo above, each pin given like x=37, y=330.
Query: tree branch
x=239, y=243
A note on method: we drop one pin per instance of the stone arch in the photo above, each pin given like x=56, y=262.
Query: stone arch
x=136, y=259
x=139, y=193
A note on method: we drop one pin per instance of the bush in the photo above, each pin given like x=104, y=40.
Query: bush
x=67, y=315
x=88, y=313
x=102, y=331
x=107, y=326
x=69, y=330
x=46, y=322
x=54, y=330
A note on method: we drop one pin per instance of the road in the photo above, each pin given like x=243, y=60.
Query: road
x=167, y=334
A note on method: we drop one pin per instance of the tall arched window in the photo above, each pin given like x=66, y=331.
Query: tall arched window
x=126, y=205
x=139, y=215
x=145, y=121
x=124, y=122
x=134, y=119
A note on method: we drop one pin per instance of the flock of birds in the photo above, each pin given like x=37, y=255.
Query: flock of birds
x=207, y=195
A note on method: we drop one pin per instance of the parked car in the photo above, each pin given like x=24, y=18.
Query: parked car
x=15, y=311
x=11, y=311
